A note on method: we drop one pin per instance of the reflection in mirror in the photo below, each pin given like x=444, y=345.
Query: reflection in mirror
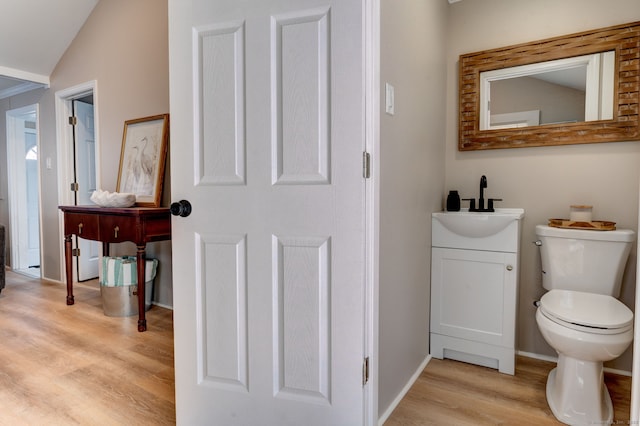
x=568, y=90
x=608, y=109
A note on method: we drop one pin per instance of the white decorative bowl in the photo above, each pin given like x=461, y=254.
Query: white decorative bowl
x=113, y=199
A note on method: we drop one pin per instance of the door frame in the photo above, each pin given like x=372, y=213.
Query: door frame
x=635, y=365
x=64, y=137
x=371, y=36
x=14, y=207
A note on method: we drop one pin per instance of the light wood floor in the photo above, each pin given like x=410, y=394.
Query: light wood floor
x=455, y=393
x=72, y=365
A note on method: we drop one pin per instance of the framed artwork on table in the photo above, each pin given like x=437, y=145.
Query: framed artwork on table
x=142, y=159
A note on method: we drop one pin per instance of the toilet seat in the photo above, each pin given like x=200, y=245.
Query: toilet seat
x=588, y=312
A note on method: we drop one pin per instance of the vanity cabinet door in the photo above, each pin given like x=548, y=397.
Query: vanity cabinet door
x=474, y=295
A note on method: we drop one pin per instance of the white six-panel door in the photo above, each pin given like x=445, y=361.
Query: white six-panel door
x=267, y=135
x=85, y=155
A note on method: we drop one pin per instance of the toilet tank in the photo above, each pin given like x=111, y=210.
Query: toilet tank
x=584, y=260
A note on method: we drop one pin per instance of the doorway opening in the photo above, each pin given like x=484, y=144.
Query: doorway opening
x=78, y=157
x=23, y=167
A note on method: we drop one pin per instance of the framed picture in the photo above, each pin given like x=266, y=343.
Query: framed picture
x=142, y=159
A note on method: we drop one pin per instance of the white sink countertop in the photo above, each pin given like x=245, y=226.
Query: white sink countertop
x=478, y=224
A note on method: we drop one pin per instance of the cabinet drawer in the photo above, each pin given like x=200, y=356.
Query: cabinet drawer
x=116, y=229
x=82, y=225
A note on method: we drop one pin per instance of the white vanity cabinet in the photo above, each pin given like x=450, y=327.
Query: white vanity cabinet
x=474, y=287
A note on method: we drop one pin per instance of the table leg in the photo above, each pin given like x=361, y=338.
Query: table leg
x=141, y=265
x=68, y=258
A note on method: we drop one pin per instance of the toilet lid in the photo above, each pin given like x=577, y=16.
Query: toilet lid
x=586, y=309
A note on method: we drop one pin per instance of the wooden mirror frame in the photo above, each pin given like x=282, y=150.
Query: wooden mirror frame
x=625, y=125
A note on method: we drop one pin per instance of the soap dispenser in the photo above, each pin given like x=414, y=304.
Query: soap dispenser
x=453, y=201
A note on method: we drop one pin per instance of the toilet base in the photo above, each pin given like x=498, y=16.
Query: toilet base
x=576, y=392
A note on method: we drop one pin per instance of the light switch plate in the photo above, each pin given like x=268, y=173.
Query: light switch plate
x=389, y=99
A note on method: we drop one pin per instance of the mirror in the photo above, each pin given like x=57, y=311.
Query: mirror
x=568, y=90
x=590, y=86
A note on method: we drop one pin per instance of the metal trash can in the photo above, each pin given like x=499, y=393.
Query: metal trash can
x=118, y=285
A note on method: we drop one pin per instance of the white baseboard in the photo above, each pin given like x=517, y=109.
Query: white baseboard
x=162, y=305
x=537, y=356
x=555, y=359
x=383, y=418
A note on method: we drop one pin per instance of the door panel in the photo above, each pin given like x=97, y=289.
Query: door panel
x=222, y=291
x=300, y=61
x=85, y=151
x=221, y=53
x=267, y=139
x=90, y=251
x=23, y=192
x=302, y=270
x=33, y=199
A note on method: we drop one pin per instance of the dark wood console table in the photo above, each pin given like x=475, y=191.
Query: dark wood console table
x=139, y=225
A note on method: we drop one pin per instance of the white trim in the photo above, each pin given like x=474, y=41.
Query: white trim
x=537, y=356
x=634, y=417
x=372, y=203
x=394, y=404
x=162, y=305
x=618, y=372
x=537, y=68
x=13, y=205
x=512, y=120
x=11, y=122
x=64, y=135
x=25, y=75
x=555, y=359
x=592, y=92
x=20, y=88
x=607, y=72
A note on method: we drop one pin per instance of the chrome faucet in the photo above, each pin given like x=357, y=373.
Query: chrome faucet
x=481, y=208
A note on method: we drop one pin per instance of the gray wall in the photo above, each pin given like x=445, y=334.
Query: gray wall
x=124, y=46
x=7, y=104
x=411, y=182
x=544, y=181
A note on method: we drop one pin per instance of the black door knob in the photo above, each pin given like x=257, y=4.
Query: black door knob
x=182, y=208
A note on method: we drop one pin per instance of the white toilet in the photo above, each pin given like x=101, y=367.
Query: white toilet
x=581, y=317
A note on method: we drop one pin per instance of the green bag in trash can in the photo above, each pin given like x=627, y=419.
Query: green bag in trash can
x=118, y=285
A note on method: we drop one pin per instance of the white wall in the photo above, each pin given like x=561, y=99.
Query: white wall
x=543, y=180
x=411, y=182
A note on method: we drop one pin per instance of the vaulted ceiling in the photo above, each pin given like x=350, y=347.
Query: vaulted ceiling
x=34, y=34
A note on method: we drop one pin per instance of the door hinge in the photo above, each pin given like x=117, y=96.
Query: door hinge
x=365, y=371
x=75, y=187
x=73, y=120
x=75, y=252
x=366, y=165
